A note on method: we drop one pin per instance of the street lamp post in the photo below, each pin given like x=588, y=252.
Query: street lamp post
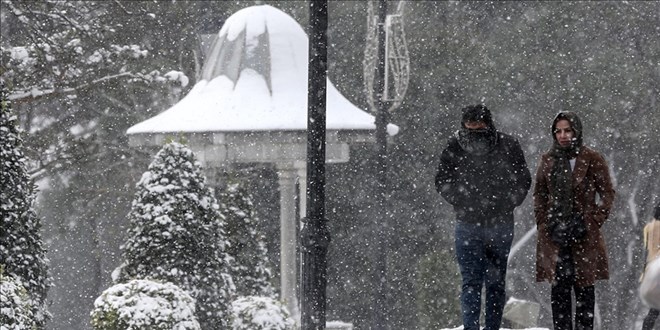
x=315, y=236
x=381, y=305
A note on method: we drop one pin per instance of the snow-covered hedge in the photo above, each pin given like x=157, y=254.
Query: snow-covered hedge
x=15, y=308
x=177, y=235
x=259, y=313
x=21, y=248
x=144, y=304
x=250, y=273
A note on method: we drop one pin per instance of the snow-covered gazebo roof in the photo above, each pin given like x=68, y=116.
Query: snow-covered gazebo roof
x=255, y=79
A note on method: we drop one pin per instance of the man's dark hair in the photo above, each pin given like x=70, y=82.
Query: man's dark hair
x=657, y=212
x=477, y=112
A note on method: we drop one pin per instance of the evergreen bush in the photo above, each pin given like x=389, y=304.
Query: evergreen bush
x=144, y=304
x=21, y=248
x=246, y=244
x=15, y=307
x=260, y=313
x=177, y=235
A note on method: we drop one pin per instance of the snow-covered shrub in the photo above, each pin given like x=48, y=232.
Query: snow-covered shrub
x=144, y=304
x=259, y=313
x=246, y=244
x=177, y=235
x=15, y=308
x=21, y=247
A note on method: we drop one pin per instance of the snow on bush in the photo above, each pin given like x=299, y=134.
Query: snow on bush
x=22, y=254
x=144, y=304
x=177, y=235
x=259, y=313
x=246, y=243
x=15, y=308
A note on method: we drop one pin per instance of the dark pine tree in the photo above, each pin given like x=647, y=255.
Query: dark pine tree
x=246, y=244
x=177, y=235
x=21, y=248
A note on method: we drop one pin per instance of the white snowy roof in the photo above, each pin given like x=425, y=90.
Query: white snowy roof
x=255, y=79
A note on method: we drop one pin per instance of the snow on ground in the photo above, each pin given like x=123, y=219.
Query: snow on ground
x=461, y=328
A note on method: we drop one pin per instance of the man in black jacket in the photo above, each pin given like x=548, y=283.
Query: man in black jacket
x=483, y=174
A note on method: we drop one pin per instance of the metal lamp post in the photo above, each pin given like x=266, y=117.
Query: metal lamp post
x=387, y=70
x=315, y=235
x=381, y=305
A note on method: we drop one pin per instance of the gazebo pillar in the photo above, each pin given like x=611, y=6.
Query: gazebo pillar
x=301, y=166
x=302, y=186
x=287, y=174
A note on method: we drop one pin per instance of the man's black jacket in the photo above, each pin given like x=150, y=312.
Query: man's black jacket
x=484, y=189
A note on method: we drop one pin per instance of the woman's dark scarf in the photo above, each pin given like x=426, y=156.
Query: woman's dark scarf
x=561, y=174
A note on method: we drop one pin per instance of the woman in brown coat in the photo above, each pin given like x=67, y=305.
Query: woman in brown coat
x=570, y=252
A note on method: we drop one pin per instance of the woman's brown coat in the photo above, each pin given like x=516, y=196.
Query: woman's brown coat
x=590, y=176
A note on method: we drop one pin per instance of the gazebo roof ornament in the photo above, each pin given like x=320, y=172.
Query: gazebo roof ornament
x=255, y=79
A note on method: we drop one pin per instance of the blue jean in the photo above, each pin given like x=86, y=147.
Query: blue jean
x=482, y=253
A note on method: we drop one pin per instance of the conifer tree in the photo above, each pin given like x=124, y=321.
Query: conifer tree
x=15, y=307
x=177, y=235
x=246, y=243
x=21, y=248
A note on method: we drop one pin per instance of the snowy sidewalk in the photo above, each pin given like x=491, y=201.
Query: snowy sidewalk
x=461, y=328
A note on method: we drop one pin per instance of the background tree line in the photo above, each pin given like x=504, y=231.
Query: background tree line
x=524, y=60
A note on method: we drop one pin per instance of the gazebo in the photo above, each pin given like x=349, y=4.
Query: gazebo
x=250, y=106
